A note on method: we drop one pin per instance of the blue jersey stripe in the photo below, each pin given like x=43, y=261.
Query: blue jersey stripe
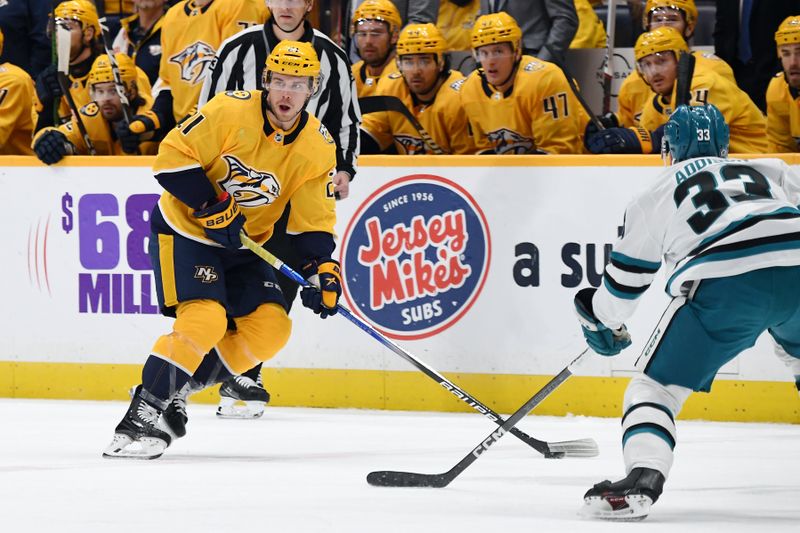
x=735, y=254
x=645, y=266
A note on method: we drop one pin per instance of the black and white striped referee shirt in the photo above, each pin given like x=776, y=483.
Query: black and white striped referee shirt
x=239, y=65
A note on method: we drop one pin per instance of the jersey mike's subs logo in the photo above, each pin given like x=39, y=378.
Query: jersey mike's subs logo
x=416, y=255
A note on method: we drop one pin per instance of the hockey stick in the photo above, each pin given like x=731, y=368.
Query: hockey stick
x=112, y=59
x=390, y=478
x=551, y=450
x=592, y=117
x=608, y=68
x=374, y=104
x=63, y=45
x=683, y=85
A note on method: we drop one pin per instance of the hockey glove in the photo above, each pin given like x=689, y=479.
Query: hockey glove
x=47, y=86
x=127, y=139
x=146, y=122
x=51, y=146
x=326, y=280
x=621, y=141
x=600, y=338
x=609, y=120
x=222, y=222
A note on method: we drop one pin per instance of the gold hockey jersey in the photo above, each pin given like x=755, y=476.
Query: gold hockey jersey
x=79, y=92
x=16, y=123
x=79, y=89
x=746, y=122
x=260, y=165
x=99, y=131
x=442, y=119
x=591, y=32
x=634, y=93
x=366, y=84
x=783, y=116
x=539, y=113
x=190, y=38
x=455, y=23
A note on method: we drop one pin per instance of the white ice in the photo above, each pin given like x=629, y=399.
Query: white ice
x=303, y=470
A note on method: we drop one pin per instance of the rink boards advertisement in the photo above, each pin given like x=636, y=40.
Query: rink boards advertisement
x=469, y=263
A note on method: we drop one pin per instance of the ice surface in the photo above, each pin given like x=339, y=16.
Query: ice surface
x=303, y=470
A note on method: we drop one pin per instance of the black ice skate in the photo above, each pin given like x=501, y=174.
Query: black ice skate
x=242, y=389
x=175, y=418
x=137, y=435
x=625, y=500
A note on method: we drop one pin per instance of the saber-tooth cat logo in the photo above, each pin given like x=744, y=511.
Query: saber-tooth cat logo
x=248, y=186
x=193, y=61
x=416, y=255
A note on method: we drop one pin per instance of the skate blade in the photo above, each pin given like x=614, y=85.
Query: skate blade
x=229, y=408
x=634, y=508
x=124, y=447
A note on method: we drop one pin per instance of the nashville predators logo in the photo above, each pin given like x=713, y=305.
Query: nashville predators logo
x=506, y=141
x=194, y=61
x=533, y=66
x=205, y=274
x=412, y=145
x=325, y=134
x=249, y=187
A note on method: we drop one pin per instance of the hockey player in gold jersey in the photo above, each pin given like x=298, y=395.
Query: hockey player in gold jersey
x=102, y=116
x=16, y=96
x=681, y=15
x=429, y=90
x=376, y=26
x=233, y=166
x=518, y=104
x=80, y=18
x=657, y=60
x=783, y=93
x=192, y=31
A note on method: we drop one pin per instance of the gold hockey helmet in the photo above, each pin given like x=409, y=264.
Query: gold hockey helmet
x=789, y=31
x=293, y=58
x=687, y=7
x=81, y=10
x=101, y=70
x=380, y=10
x=421, y=39
x=663, y=39
x=498, y=27
x=1, y=40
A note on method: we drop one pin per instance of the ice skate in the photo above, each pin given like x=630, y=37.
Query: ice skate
x=626, y=500
x=241, y=397
x=137, y=435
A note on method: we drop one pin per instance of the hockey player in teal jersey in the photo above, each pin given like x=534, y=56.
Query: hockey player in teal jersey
x=728, y=235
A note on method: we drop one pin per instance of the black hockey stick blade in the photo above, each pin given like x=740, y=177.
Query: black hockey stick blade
x=390, y=478
x=683, y=85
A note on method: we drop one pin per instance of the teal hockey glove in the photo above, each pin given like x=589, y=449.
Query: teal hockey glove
x=600, y=338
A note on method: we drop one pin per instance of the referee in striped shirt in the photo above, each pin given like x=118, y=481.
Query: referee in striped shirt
x=238, y=66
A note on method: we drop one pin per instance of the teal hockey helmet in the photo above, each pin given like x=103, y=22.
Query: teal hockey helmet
x=696, y=131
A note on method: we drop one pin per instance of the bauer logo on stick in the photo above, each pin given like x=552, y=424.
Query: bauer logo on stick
x=416, y=256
